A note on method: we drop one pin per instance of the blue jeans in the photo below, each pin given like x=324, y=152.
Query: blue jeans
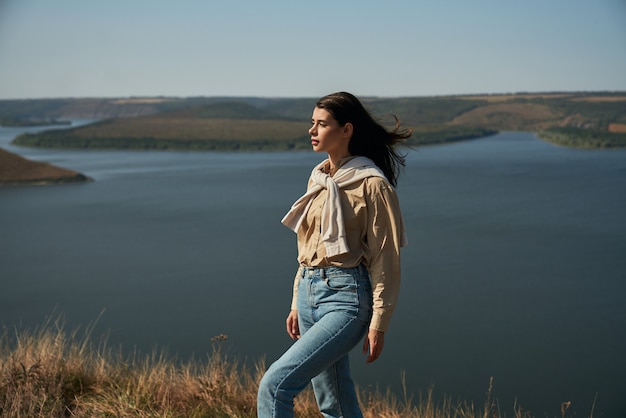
x=334, y=312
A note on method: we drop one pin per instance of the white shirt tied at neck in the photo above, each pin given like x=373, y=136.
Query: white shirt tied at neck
x=333, y=226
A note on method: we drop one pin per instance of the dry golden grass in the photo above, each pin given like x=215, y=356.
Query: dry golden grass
x=46, y=373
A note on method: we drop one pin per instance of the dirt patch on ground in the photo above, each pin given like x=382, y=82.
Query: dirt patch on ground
x=617, y=128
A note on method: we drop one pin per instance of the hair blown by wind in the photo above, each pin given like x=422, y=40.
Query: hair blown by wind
x=370, y=138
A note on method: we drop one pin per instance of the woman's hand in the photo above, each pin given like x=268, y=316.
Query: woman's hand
x=373, y=344
x=293, y=329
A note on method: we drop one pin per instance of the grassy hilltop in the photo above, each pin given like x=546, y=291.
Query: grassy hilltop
x=574, y=119
x=49, y=373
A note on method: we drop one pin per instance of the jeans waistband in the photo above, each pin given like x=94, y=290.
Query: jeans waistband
x=333, y=270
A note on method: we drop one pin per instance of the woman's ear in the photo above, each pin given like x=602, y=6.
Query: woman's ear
x=347, y=130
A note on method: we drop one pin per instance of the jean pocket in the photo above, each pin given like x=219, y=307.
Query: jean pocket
x=343, y=282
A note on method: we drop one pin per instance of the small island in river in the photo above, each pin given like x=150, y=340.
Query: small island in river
x=17, y=170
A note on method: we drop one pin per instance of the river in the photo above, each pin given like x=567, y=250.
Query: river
x=515, y=267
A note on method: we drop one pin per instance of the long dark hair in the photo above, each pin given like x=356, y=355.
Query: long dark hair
x=369, y=138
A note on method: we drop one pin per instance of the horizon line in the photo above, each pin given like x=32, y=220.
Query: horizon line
x=181, y=97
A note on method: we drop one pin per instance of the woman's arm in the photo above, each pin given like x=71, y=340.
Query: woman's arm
x=384, y=239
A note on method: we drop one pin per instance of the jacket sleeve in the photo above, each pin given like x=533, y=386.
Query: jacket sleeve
x=384, y=239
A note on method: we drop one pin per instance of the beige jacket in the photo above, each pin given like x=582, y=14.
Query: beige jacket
x=374, y=232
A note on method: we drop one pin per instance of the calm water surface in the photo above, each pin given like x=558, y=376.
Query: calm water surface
x=515, y=267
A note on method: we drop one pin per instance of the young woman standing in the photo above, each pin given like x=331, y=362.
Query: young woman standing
x=349, y=232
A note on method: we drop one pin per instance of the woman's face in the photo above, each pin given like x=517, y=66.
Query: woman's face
x=328, y=136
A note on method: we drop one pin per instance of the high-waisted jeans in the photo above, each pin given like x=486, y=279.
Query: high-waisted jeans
x=334, y=311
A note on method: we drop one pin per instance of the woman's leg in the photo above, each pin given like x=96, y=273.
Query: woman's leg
x=335, y=392
x=332, y=321
x=334, y=388
x=319, y=348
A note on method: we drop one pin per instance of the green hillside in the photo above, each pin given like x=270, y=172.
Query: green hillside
x=217, y=126
x=587, y=120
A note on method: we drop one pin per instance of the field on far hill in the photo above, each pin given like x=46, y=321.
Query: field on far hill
x=542, y=111
x=510, y=115
x=221, y=126
x=196, y=128
x=575, y=119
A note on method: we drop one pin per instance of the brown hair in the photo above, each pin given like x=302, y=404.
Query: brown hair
x=369, y=138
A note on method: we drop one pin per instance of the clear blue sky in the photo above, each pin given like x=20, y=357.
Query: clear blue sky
x=290, y=48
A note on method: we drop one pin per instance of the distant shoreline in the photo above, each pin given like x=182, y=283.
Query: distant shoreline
x=577, y=119
x=32, y=123
x=61, y=140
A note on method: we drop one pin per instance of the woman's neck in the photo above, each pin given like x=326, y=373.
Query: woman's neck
x=335, y=160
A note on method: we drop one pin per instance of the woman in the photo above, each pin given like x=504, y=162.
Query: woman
x=350, y=230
